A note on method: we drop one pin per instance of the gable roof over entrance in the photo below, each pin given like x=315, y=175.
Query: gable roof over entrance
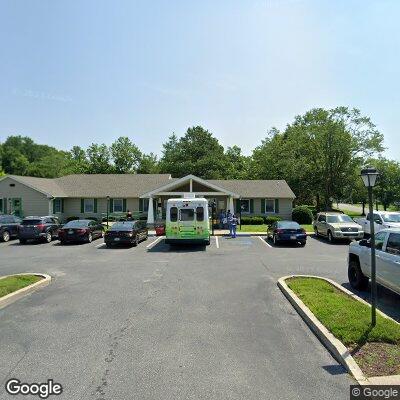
x=189, y=179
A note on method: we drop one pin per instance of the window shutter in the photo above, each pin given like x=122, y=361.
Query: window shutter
x=111, y=205
x=140, y=204
x=251, y=206
x=62, y=205
x=1, y=205
x=262, y=206
x=238, y=210
x=82, y=206
x=95, y=205
x=124, y=205
x=5, y=205
x=276, y=206
x=54, y=206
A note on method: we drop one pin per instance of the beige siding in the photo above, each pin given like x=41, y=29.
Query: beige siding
x=72, y=207
x=33, y=202
x=285, y=208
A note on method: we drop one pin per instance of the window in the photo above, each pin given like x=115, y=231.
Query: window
x=269, y=205
x=1, y=205
x=200, y=214
x=334, y=219
x=173, y=214
x=321, y=218
x=380, y=240
x=57, y=205
x=244, y=205
x=187, y=214
x=88, y=205
x=393, y=244
x=118, y=205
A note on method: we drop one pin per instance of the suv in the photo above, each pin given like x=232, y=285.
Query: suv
x=337, y=226
x=38, y=228
x=9, y=227
x=387, y=243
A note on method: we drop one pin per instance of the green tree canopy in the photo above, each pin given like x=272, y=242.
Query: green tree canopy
x=126, y=155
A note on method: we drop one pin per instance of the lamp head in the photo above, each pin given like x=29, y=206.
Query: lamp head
x=369, y=176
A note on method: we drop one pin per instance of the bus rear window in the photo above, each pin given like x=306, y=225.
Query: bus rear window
x=200, y=213
x=173, y=214
x=187, y=214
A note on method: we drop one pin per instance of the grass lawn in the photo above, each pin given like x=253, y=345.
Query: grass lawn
x=376, y=350
x=14, y=283
x=264, y=228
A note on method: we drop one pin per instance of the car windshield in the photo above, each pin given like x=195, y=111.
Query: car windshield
x=391, y=217
x=31, y=221
x=288, y=225
x=334, y=219
x=122, y=226
x=76, y=224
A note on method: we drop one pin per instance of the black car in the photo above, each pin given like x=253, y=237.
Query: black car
x=9, y=225
x=126, y=232
x=287, y=231
x=38, y=228
x=81, y=230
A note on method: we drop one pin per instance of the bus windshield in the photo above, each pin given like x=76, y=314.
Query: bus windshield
x=187, y=214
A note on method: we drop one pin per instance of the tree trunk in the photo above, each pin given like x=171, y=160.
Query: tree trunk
x=363, y=208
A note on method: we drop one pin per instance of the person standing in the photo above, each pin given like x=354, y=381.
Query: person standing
x=234, y=226
x=229, y=220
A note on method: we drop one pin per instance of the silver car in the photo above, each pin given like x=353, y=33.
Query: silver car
x=337, y=226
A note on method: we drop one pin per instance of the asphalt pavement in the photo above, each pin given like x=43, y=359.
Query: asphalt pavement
x=169, y=323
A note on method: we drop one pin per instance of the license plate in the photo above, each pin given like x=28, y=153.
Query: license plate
x=117, y=239
x=70, y=231
x=293, y=237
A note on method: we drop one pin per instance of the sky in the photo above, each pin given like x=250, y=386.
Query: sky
x=77, y=72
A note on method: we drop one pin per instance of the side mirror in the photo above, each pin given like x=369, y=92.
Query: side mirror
x=365, y=243
x=378, y=221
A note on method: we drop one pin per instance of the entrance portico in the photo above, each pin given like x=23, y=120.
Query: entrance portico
x=189, y=184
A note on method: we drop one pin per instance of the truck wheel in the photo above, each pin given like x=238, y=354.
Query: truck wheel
x=5, y=236
x=331, y=239
x=49, y=237
x=356, y=278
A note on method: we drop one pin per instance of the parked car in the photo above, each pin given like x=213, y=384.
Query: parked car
x=83, y=230
x=38, y=228
x=382, y=220
x=126, y=232
x=9, y=225
x=287, y=231
x=337, y=226
x=387, y=244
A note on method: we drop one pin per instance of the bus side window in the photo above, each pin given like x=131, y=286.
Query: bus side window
x=200, y=213
x=173, y=214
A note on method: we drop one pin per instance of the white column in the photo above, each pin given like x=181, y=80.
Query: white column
x=50, y=206
x=231, y=205
x=150, y=212
x=191, y=185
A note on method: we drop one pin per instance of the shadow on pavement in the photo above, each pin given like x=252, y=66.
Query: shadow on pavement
x=335, y=369
x=161, y=247
x=388, y=301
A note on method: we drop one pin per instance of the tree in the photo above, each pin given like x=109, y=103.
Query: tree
x=148, y=164
x=238, y=164
x=52, y=166
x=14, y=162
x=99, y=159
x=79, y=160
x=126, y=155
x=198, y=152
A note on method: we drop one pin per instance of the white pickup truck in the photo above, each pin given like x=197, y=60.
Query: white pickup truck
x=387, y=243
x=382, y=220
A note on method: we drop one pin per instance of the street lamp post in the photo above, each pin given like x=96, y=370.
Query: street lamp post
x=108, y=208
x=213, y=206
x=369, y=176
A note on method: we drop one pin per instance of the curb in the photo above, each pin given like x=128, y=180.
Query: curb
x=335, y=346
x=14, y=296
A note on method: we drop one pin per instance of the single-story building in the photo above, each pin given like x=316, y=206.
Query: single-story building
x=96, y=195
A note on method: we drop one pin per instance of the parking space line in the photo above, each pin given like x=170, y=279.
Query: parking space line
x=265, y=242
x=100, y=245
x=154, y=242
x=217, y=242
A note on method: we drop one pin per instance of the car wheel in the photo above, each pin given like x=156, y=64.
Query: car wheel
x=90, y=238
x=5, y=237
x=356, y=278
x=331, y=239
x=136, y=241
x=48, y=237
x=275, y=240
x=22, y=241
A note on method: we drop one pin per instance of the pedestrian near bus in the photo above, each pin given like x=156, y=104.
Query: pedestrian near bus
x=229, y=216
x=234, y=226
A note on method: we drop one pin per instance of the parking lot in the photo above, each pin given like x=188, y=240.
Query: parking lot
x=155, y=322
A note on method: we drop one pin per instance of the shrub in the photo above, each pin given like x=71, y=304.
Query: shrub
x=269, y=220
x=73, y=218
x=252, y=220
x=302, y=215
